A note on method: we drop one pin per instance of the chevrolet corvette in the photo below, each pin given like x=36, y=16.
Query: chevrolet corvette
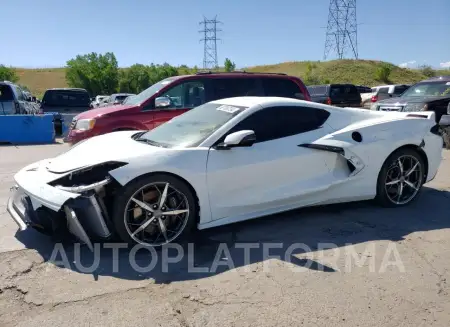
x=223, y=162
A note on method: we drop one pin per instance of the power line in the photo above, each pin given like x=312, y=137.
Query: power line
x=342, y=29
x=210, y=42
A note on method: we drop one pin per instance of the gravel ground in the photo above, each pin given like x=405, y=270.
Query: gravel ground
x=381, y=267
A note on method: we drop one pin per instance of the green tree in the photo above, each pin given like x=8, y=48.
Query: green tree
x=134, y=79
x=427, y=70
x=24, y=87
x=229, y=65
x=383, y=73
x=97, y=73
x=8, y=74
x=311, y=77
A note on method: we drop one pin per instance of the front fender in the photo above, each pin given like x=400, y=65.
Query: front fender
x=189, y=165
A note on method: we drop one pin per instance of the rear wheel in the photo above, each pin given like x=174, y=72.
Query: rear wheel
x=155, y=210
x=400, y=178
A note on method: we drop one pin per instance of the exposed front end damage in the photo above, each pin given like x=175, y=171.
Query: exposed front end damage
x=73, y=203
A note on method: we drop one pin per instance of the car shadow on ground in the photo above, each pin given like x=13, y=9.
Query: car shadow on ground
x=288, y=235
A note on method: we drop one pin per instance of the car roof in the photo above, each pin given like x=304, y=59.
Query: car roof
x=6, y=83
x=250, y=101
x=443, y=78
x=238, y=73
x=67, y=89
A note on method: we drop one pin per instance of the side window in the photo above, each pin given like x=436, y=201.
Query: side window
x=400, y=89
x=336, y=91
x=383, y=90
x=186, y=95
x=235, y=87
x=19, y=94
x=351, y=90
x=282, y=87
x=278, y=122
x=6, y=93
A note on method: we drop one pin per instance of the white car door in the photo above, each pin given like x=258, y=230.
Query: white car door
x=275, y=172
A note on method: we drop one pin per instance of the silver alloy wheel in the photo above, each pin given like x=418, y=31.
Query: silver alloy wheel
x=403, y=179
x=156, y=214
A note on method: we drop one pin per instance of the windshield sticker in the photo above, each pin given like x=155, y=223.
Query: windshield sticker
x=229, y=109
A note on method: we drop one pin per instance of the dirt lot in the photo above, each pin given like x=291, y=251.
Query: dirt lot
x=350, y=284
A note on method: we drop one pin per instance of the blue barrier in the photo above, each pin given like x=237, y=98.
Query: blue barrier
x=67, y=120
x=27, y=129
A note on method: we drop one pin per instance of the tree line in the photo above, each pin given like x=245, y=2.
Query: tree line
x=100, y=74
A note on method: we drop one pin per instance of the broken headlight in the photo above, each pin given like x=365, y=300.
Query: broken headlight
x=89, y=175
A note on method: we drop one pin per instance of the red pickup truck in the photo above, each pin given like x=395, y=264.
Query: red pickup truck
x=175, y=95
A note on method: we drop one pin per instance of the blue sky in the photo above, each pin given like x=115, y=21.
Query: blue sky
x=46, y=33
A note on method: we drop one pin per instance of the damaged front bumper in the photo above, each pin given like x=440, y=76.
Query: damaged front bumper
x=79, y=210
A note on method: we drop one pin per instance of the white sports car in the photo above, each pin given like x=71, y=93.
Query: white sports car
x=223, y=162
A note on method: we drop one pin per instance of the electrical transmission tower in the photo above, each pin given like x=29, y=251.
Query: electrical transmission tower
x=342, y=33
x=210, y=42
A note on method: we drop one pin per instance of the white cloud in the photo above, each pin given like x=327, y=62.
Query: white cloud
x=445, y=64
x=407, y=64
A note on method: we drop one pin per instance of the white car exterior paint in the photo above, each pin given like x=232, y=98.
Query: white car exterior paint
x=248, y=182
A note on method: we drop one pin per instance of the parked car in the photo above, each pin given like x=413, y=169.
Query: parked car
x=98, y=100
x=429, y=95
x=223, y=162
x=176, y=95
x=445, y=127
x=379, y=93
x=66, y=103
x=340, y=95
x=115, y=99
x=363, y=89
x=14, y=100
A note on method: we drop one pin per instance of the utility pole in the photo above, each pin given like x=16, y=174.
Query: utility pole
x=342, y=29
x=210, y=39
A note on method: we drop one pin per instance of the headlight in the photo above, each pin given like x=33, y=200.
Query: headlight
x=85, y=124
x=416, y=107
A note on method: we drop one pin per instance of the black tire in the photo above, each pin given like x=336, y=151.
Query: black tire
x=383, y=197
x=123, y=197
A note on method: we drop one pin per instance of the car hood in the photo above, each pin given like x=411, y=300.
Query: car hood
x=404, y=100
x=116, y=146
x=98, y=112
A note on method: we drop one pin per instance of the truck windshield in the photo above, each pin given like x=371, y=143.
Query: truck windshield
x=147, y=93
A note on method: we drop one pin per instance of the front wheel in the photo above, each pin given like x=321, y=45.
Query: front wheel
x=400, y=178
x=155, y=210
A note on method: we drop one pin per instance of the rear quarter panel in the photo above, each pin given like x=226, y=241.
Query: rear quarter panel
x=380, y=138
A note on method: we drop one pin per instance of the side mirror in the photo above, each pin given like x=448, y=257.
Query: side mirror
x=162, y=102
x=238, y=139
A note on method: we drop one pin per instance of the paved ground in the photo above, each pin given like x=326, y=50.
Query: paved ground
x=350, y=285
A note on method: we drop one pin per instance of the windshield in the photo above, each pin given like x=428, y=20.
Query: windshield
x=147, y=93
x=428, y=89
x=192, y=127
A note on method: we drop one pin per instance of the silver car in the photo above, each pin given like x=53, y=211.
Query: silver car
x=14, y=101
